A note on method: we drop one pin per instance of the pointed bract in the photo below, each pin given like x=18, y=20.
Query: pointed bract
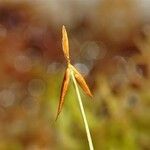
x=65, y=43
x=64, y=89
x=81, y=81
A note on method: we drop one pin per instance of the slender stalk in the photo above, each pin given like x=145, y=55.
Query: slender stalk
x=82, y=112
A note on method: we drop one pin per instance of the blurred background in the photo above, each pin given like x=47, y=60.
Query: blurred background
x=110, y=45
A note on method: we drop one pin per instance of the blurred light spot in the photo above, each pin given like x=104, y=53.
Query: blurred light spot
x=36, y=87
x=22, y=63
x=3, y=32
x=91, y=50
x=7, y=98
x=54, y=67
x=83, y=69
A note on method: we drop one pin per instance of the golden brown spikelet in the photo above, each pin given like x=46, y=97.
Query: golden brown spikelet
x=64, y=89
x=81, y=81
x=65, y=43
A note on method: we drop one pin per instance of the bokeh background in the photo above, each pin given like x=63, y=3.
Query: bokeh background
x=110, y=45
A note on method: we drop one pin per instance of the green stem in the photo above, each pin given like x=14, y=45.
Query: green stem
x=83, y=112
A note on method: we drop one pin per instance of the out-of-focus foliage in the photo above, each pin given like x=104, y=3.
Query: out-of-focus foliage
x=110, y=45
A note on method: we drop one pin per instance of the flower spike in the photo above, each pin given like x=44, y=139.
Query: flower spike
x=76, y=77
x=70, y=68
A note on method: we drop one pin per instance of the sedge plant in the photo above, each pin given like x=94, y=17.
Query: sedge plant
x=72, y=73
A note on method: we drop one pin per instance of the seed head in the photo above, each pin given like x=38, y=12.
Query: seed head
x=80, y=79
